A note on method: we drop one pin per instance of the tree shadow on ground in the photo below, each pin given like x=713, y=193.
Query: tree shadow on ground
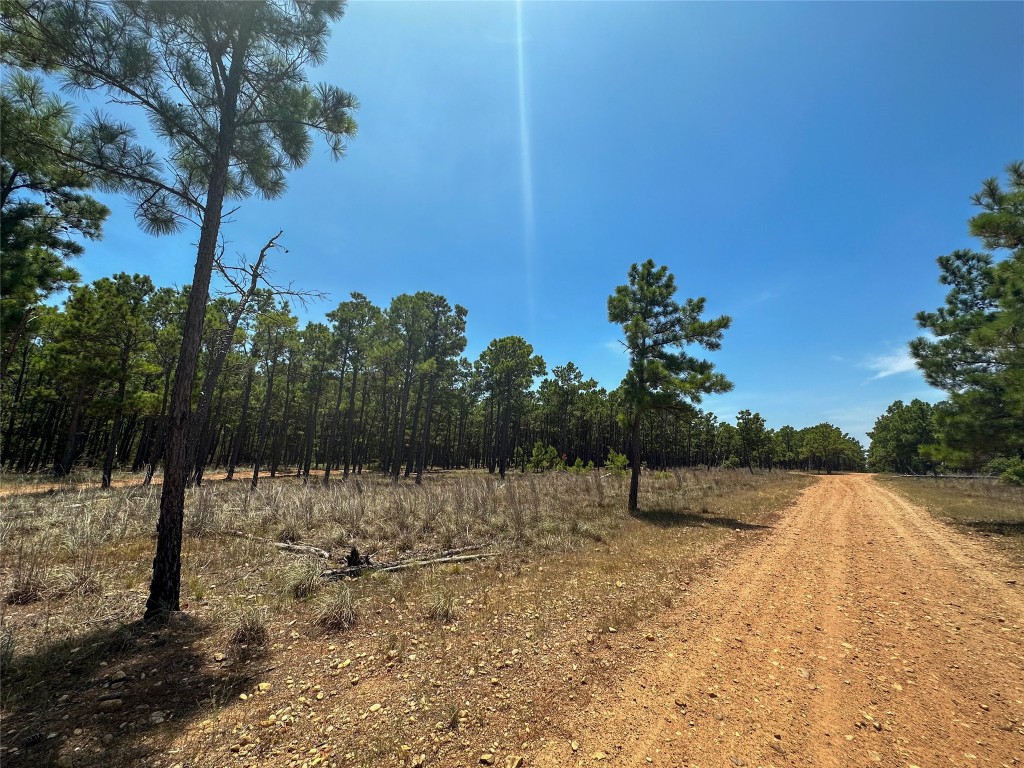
x=126, y=689
x=673, y=518
x=996, y=527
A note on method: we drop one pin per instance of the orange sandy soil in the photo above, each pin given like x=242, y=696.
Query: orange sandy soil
x=859, y=632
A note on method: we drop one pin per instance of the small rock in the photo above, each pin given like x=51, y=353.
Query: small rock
x=64, y=761
x=111, y=705
x=156, y=717
x=574, y=745
x=119, y=676
x=513, y=761
x=737, y=762
x=218, y=657
x=418, y=761
x=375, y=707
x=264, y=687
x=599, y=756
x=486, y=759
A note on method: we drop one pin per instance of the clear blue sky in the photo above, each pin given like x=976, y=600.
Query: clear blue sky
x=801, y=165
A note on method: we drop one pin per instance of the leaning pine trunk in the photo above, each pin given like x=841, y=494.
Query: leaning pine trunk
x=165, y=588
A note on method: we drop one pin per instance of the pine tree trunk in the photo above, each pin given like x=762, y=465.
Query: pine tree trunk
x=261, y=440
x=165, y=588
x=63, y=467
x=634, y=462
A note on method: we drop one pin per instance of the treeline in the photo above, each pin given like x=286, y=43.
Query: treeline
x=974, y=351
x=384, y=389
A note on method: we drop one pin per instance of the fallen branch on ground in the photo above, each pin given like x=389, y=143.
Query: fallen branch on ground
x=304, y=549
x=340, y=573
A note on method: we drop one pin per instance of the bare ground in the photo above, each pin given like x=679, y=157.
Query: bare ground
x=860, y=631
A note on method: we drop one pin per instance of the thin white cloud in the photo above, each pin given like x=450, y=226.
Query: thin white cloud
x=895, y=362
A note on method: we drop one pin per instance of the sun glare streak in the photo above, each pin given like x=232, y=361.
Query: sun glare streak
x=525, y=161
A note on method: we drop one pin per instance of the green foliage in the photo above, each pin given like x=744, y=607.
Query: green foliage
x=203, y=73
x=545, y=458
x=661, y=375
x=898, y=437
x=1013, y=472
x=579, y=468
x=976, y=348
x=755, y=439
x=42, y=205
x=828, y=449
x=617, y=462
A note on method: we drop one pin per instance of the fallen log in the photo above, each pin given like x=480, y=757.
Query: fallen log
x=340, y=573
x=304, y=549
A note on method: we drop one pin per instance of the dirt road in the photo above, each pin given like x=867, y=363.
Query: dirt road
x=859, y=632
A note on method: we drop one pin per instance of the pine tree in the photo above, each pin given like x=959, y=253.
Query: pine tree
x=661, y=376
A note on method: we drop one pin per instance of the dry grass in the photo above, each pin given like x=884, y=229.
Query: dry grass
x=461, y=656
x=984, y=506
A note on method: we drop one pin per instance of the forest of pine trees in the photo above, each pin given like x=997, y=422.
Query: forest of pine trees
x=384, y=389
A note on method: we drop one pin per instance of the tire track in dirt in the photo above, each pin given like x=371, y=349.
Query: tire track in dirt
x=859, y=632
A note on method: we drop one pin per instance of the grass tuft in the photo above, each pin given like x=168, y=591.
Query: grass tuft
x=336, y=609
x=442, y=607
x=302, y=577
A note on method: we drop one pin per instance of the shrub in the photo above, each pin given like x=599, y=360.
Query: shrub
x=1013, y=473
x=579, y=468
x=617, y=462
x=545, y=458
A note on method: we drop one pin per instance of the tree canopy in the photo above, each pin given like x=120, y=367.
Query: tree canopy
x=975, y=351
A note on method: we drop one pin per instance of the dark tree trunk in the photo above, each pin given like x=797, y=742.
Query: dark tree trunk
x=634, y=463
x=421, y=461
x=165, y=588
x=63, y=467
x=413, y=452
x=349, y=417
x=398, y=444
x=261, y=440
x=243, y=426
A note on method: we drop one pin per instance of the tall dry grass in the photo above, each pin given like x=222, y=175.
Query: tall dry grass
x=75, y=560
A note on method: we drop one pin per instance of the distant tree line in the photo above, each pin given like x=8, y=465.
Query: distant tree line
x=974, y=351
x=383, y=389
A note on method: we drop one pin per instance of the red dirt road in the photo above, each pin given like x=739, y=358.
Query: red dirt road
x=859, y=632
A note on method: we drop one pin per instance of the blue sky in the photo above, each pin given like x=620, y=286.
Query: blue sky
x=799, y=164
